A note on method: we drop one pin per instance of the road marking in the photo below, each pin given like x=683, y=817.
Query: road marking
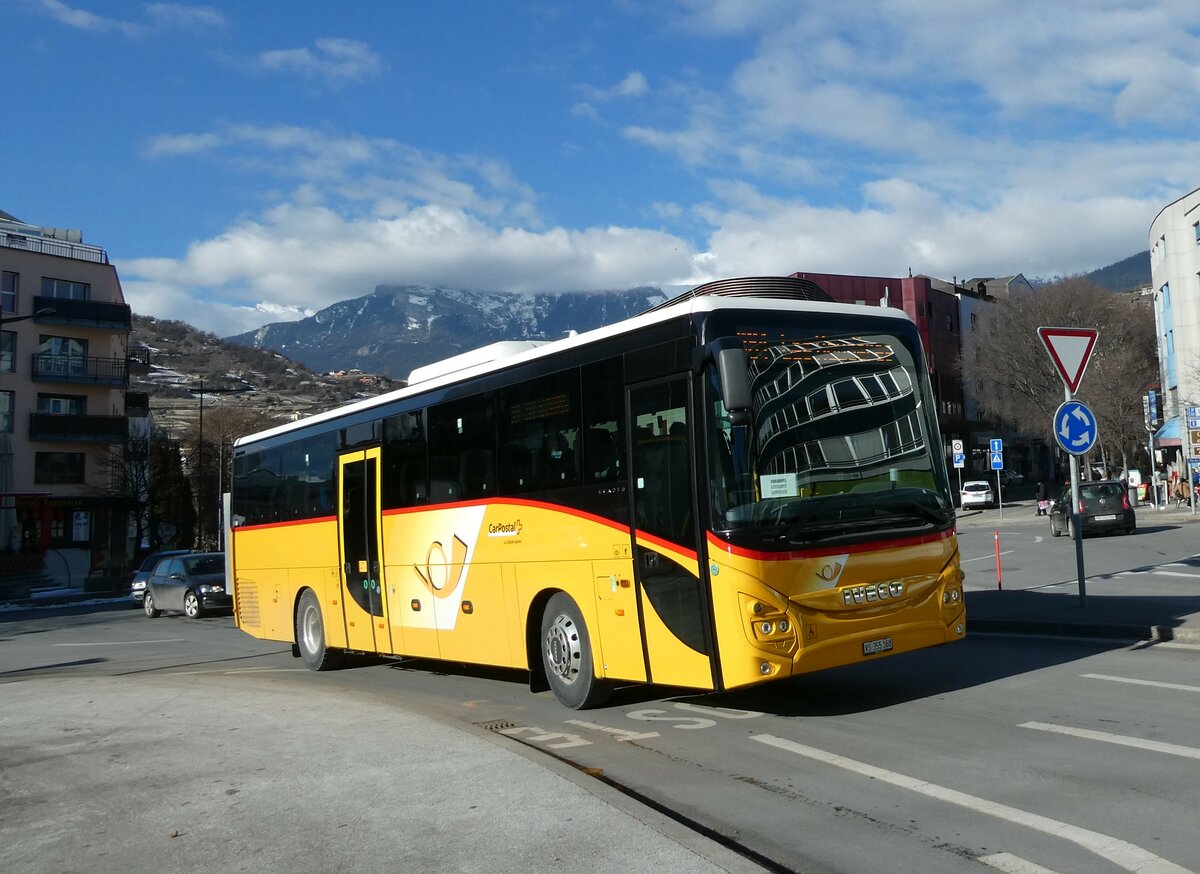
x=122, y=642
x=1128, y=856
x=1179, y=687
x=1159, y=573
x=982, y=557
x=619, y=733
x=1011, y=864
x=1118, y=739
x=1037, y=539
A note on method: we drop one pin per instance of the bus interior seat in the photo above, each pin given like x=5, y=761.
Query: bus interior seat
x=600, y=452
x=477, y=473
x=412, y=482
x=516, y=466
x=443, y=480
x=556, y=461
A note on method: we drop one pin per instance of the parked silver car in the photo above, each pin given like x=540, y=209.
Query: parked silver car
x=191, y=583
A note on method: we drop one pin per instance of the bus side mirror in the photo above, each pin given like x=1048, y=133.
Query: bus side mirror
x=735, y=384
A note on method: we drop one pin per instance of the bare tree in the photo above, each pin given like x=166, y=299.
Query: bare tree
x=1016, y=383
x=209, y=459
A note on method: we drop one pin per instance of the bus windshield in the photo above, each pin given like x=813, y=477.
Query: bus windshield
x=843, y=446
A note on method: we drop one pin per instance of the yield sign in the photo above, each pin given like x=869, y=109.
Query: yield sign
x=1069, y=349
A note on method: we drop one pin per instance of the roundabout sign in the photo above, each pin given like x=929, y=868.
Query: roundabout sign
x=1075, y=427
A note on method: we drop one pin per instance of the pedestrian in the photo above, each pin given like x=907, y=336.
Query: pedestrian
x=1041, y=498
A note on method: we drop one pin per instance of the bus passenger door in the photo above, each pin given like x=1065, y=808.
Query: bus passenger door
x=358, y=521
x=673, y=598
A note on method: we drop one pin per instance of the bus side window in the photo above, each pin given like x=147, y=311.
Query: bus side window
x=556, y=462
x=600, y=455
x=516, y=468
x=477, y=474
x=404, y=466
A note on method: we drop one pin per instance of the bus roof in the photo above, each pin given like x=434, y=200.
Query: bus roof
x=498, y=356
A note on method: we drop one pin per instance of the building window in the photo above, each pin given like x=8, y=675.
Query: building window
x=62, y=405
x=1196, y=229
x=9, y=285
x=50, y=468
x=62, y=355
x=64, y=289
x=974, y=320
x=6, y=412
x=8, y=351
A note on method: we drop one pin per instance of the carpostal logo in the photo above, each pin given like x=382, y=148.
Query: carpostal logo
x=505, y=529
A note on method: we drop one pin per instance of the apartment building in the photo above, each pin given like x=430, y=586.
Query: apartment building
x=64, y=326
x=1175, y=274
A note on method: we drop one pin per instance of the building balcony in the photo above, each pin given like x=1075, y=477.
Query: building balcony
x=78, y=429
x=82, y=313
x=80, y=369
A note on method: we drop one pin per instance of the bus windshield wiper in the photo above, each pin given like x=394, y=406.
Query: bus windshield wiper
x=860, y=518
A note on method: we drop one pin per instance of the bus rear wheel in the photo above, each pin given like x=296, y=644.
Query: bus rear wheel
x=567, y=656
x=310, y=635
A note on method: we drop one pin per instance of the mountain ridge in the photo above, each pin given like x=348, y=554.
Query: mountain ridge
x=396, y=328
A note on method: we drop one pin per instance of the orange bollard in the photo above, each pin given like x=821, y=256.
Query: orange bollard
x=999, y=582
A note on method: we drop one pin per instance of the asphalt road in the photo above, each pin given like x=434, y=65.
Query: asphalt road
x=997, y=753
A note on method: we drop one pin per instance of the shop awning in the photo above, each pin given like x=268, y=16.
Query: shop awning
x=1168, y=434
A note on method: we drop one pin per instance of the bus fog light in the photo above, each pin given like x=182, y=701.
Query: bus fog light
x=945, y=597
x=954, y=595
x=784, y=625
x=766, y=628
x=758, y=608
x=958, y=629
x=764, y=668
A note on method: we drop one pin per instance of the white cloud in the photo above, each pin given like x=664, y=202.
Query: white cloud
x=159, y=16
x=81, y=19
x=304, y=257
x=335, y=61
x=175, y=15
x=164, y=145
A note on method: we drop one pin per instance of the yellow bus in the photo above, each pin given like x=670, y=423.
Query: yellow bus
x=742, y=484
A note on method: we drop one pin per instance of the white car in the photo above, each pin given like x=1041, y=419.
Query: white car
x=977, y=493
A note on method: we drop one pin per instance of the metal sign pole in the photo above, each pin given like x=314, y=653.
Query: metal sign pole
x=1078, y=519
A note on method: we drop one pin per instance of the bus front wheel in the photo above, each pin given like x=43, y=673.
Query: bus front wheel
x=310, y=635
x=567, y=656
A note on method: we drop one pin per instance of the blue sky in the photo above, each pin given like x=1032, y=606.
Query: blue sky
x=251, y=161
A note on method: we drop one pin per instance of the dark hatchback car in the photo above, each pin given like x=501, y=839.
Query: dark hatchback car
x=191, y=583
x=1103, y=507
x=137, y=584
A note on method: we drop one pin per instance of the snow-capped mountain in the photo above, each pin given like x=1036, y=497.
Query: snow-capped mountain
x=396, y=328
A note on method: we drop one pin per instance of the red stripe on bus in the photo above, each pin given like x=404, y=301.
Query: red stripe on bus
x=873, y=546
x=667, y=545
x=263, y=525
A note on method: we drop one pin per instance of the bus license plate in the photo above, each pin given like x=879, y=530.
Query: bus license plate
x=870, y=647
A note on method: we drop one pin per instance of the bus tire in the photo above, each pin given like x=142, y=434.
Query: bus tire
x=567, y=656
x=310, y=635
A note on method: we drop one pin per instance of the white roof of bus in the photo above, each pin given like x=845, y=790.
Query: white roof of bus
x=698, y=304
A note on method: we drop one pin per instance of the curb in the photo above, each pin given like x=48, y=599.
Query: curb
x=1095, y=631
